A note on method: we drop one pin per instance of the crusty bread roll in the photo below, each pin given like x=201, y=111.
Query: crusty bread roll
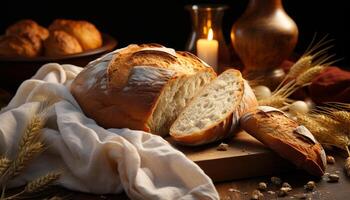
x=27, y=27
x=86, y=33
x=14, y=45
x=60, y=43
x=213, y=114
x=284, y=135
x=142, y=87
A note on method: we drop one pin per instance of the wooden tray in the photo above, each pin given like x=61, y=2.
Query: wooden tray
x=246, y=157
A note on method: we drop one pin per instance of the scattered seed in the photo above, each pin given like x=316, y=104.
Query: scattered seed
x=276, y=180
x=311, y=185
x=262, y=186
x=233, y=190
x=222, y=147
x=288, y=189
x=333, y=178
x=256, y=195
x=285, y=184
x=283, y=192
x=330, y=160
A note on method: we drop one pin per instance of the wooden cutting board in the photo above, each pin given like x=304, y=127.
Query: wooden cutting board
x=245, y=157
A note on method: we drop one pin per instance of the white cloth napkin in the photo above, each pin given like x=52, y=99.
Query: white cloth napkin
x=94, y=159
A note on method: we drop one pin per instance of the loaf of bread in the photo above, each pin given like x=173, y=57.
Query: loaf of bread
x=23, y=39
x=286, y=137
x=85, y=32
x=214, y=113
x=26, y=38
x=19, y=46
x=27, y=27
x=60, y=43
x=142, y=87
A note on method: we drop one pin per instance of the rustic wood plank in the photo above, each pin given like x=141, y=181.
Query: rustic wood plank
x=242, y=153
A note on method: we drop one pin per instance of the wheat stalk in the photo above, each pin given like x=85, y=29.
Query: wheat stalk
x=325, y=130
x=21, y=161
x=276, y=102
x=4, y=164
x=307, y=76
x=36, y=185
x=42, y=182
x=32, y=132
x=303, y=64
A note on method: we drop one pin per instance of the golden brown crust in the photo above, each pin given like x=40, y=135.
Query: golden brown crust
x=13, y=46
x=27, y=27
x=60, y=43
x=122, y=89
x=85, y=32
x=278, y=132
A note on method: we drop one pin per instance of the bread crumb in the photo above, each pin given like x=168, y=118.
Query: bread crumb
x=285, y=184
x=330, y=160
x=262, y=186
x=256, y=195
x=333, y=178
x=283, y=191
x=311, y=185
x=222, y=147
x=233, y=190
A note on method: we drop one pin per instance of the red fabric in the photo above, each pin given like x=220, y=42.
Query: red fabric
x=333, y=84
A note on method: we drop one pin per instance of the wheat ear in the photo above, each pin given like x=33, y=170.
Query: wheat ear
x=31, y=133
x=4, y=164
x=42, y=182
x=22, y=159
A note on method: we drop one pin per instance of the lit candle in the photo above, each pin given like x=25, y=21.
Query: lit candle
x=207, y=50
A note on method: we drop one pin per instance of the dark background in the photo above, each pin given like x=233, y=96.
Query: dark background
x=166, y=22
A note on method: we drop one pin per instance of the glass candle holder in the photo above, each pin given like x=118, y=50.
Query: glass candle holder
x=206, y=39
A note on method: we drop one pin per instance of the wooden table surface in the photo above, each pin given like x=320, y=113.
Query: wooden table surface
x=229, y=190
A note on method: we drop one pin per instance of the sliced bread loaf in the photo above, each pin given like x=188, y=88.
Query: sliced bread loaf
x=142, y=87
x=214, y=112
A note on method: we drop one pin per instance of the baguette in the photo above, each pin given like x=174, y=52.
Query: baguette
x=286, y=137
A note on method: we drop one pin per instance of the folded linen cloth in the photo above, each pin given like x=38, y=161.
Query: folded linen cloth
x=94, y=159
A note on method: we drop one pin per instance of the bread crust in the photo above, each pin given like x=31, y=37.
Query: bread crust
x=225, y=127
x=60, y=43
x=278, y=132
x=122, y=89
x=14, y=45
x=85, y=32
x=27, y=27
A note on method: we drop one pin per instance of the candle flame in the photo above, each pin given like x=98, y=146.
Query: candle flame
x=210, y=34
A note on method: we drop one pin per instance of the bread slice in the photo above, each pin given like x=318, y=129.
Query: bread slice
x=141, y=87
x=284, y=135
x=213, y=113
